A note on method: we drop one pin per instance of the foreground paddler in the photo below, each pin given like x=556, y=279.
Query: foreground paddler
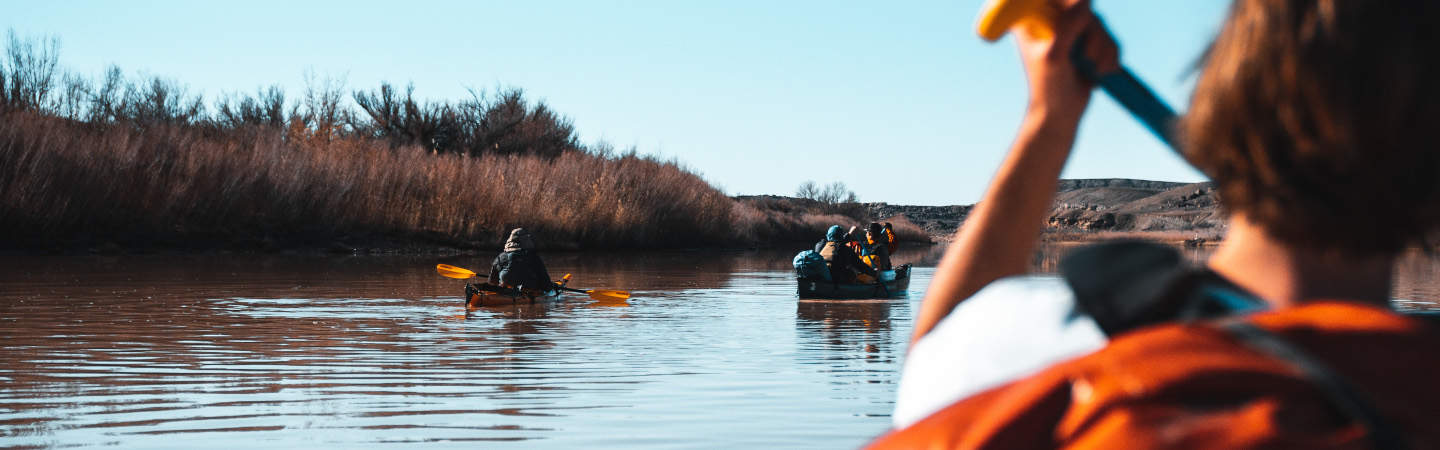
x=519, y=266
x=1313, y=120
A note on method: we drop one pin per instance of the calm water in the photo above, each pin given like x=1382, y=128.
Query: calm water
x=713, y=351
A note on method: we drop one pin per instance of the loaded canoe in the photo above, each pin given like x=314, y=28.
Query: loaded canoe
x=896, y=283
x=481, y=294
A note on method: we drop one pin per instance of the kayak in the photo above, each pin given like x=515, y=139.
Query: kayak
x=892, y=284
x=482, y=294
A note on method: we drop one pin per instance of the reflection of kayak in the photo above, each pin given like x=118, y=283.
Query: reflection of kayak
x=482, y=294
x=893, y=284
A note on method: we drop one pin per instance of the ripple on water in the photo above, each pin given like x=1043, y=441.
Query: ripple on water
x=713, y=351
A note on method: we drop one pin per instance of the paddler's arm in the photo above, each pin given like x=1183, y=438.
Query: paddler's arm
x=999, y=237
x=494, y=277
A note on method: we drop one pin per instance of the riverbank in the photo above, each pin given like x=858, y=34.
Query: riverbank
x=140, y=165
x=71, y=186
x=75, y=187
x=127, y=164
x=1099, y=209
x=68, y=186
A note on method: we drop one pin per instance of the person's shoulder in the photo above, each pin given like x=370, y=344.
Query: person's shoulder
x=1040, y=304
x=1012, y=328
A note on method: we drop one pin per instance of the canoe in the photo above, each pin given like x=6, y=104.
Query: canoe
x=482, y=294
x=895, y=283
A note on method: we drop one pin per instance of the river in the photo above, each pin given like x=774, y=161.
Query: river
x=713, y=350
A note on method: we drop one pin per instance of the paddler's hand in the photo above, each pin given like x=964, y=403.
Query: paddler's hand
x=1058, y=91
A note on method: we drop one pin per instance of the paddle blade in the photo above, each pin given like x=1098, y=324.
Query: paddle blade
x=997, y=17
x=608, y=295
x=450, y=271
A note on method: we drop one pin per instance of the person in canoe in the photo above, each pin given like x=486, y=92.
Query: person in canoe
x=519, y=266
x=1312, y=119
x=875, y=251
x=845, y=265
x=891, y=242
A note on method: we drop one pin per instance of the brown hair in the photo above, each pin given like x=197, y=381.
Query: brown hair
x=1314, y=119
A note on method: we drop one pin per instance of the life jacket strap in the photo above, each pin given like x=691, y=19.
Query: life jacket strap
x=1336, y=389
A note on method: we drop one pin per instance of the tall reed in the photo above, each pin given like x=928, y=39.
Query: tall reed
x=62, y=181
x=144, y=163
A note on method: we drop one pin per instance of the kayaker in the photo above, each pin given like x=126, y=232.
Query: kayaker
x=1311, y=118
x=519, y=266
x=844, y=264
x=875, y=251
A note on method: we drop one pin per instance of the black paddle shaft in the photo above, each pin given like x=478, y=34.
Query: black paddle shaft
x=1133, y=95
x=1142, y=103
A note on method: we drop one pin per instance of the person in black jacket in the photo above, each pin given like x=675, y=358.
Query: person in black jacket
x=519, y=266
x=844, y=263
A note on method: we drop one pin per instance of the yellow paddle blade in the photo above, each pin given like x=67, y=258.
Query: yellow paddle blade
x=608, y=295
x=997, y=17
x=450, y=271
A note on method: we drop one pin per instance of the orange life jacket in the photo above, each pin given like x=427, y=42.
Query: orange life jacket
x=867, y=257
x=891, y=242
x=1202, y=385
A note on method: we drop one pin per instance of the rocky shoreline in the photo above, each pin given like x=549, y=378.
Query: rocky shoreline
x=1091, y=209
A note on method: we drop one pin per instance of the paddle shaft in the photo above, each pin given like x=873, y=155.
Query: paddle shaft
x=1134, y=96
x=1142, y=103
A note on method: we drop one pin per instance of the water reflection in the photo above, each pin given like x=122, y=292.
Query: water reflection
x=285, y=351
x=278, y=351
x=848, y=324
x=1417, y=282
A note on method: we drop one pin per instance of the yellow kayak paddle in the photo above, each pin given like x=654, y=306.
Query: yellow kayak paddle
x=603, y=295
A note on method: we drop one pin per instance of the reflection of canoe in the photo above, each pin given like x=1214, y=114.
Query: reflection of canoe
x=895, y=284
x=481, y=294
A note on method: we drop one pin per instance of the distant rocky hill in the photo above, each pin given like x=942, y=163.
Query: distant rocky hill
x=938, y=221
x=1120, y=183
x=1094, y=207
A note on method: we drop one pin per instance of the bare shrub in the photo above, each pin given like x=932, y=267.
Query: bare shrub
x=107, y=100
x=508, y=124
x=158, y=101
x=29, y=71
x=401, y=120
x=833, y=198
x=266, y=110
x=74, y=97
x=832, y=194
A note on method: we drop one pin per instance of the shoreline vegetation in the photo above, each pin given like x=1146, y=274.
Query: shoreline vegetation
x=126, y=164
x=140, y=164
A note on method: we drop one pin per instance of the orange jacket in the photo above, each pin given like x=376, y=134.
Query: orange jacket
x=1199, y=386
x=891, y=242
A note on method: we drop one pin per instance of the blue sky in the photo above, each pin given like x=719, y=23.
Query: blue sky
x=901, y=101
